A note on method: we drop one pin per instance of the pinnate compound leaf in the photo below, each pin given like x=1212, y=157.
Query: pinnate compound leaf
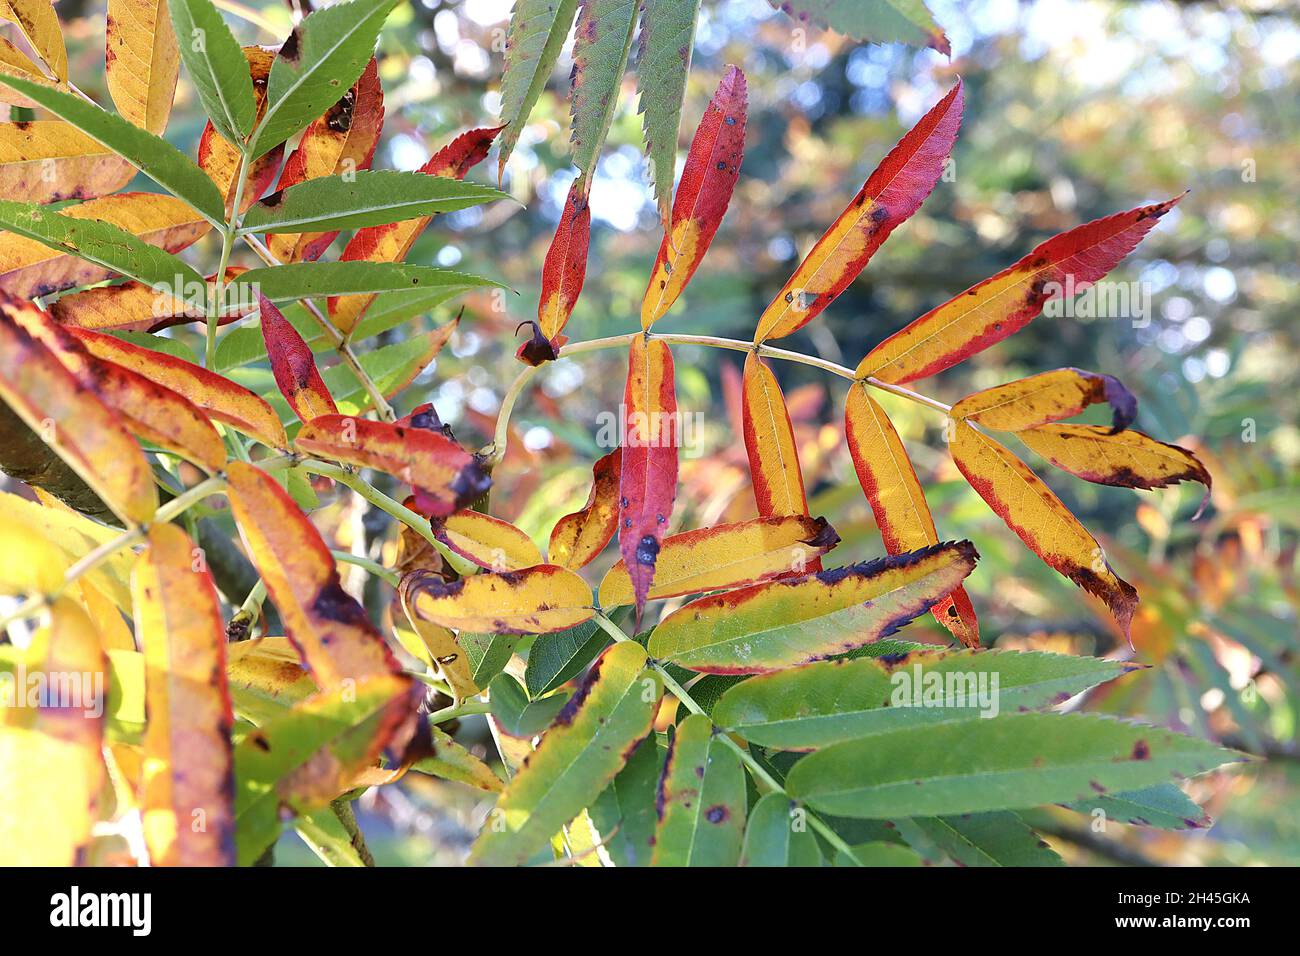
x=701, y=800
x=1009, y=762
x=781, y=623
x=1047, y=397
x=533, y=601
x=220, y=158
x=592, y=739
x=874, y=21
x=769, y=443
x=187, y=753
x=889, y=481
x=577, y=538
x=991, y=310
x=772, y=838
x=888, y=198
x=293, y=365
x=601, y=43
x=72, y=421
x=1033, y=512
x=325, y=54
x=327, y=626
x=726, y=556
x=141, y=61
x=708, y=178
x=538, y=29
x=48, y=161
x=826, y=702
x=216, y=67
x=663, y=63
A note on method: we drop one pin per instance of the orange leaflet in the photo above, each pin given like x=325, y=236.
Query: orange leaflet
x=995, y=308
x=889, y=197
x=220, y=159
x=72, y=420
x=136, y=307
x=51, y=759
x=889, y=481
x=391, y=242
x=293, y=365
x=1128, y=459
x=30, y=268
x=1047, y=397
x=50, y=160
x=708, y=178
x=563, y=272
x=141, y=61
x=487, y=541
x=533, y=601
x=577, y=538
x=769, y=442
x=188, y=772
x=726, y=556
x=648, y=476
x=445, y=476
x=340, y=142
x=330, y=630
x=1032, y=511
x=216, y=395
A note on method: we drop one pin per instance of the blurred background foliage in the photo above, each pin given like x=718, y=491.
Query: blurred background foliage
x=1074, y=110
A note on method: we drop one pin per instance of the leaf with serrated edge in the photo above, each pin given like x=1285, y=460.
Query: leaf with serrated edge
x=293, y=365
x=538, y=29
x=220, y=158
x=663, y=62
x=1047, y=397
x=224, y=86
x=39, y=25
x=875, y=21
x=602, y=39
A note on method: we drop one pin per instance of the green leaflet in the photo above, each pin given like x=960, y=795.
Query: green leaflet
x=488, y=654
x=516, y=715
x=829, y=701
x=777, y=835
x=538, y=29
x=701, y=800
x=99, y=242
x=1019, y=760
x=367, y=197
x=877, y=21
x=624, y=813
x=590, y=742
x=985, y=839
x=557, y=658
x=152, y=155
x=663, y=63
x=451, y=761
x=324, y=833
x=323, y=57
x=1163, y=805
x=878, y=853
x=217, y=67
x=302, y=280
x=600, y=48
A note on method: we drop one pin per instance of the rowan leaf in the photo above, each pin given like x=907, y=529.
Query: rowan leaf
x=536, y=600
x=1162, y=805
x=874, y=21
x=538, y=29
x=648, y=472
x=50, y=531
x=789, y=621
x=774, y=468
x=73, y=422
x=701, y=800
x=216, y=395
x=220, y=158
x=726, y=556
x=563, y=271
x=592, y=739
x=889, y=481
x=216, y=67
x=517, y=716
x=1013, y=761
x=133, y=308
x=557, y=658
x=891, y=194
x=451, y=761
x=991, y=310
x=663, y=63
x=708, y=179
x=329, y=629
x=1033, y=512
x=487, y=541
x=302, y=280
x=987, y=839
x=1047, y=397
x=141, y=61
x=441, y=646
x=773, y=839
x=151, y=154
x=188, y=775
x=391, y=243
x=624, y=814
x=293, y=366
x=579, y=537
x=446, y=476
x=265, y=678
x=39, y=25
x=818, y=704
x=131, y=234
x=338, y=143
x=602, y=39
x=48, y=161
x=14, y=62
x=326, y=52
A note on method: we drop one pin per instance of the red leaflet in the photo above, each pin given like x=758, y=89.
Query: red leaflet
x=563, y=272
x=648, y=483
x=462, y=154
x=293, y=366
x=892, y=193
x=995, y=308
x=577, y=538
x=712, y=168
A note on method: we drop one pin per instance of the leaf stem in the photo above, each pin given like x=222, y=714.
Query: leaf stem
x=374, y=567
x=463, y=709
x=351, y=479
x=217, y=298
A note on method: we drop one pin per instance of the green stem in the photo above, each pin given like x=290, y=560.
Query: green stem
x=343, y=476
x=757, y=770
x=374, y=567
x=459, y=710
x=217, y=299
